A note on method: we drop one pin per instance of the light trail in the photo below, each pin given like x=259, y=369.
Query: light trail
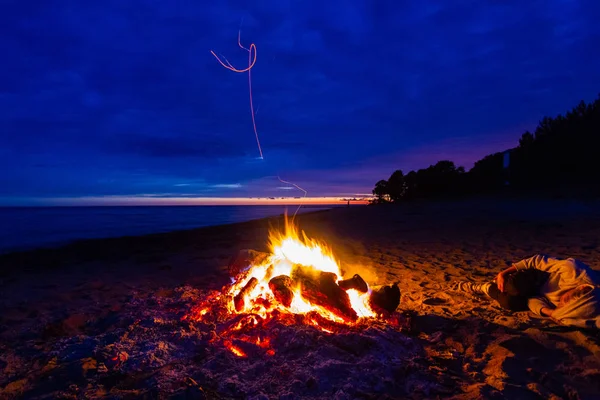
x=251, y=63
x=297, y=187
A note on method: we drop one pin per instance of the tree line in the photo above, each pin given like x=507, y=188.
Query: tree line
x=560, y=155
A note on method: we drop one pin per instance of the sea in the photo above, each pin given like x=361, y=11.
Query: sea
x=24, y=228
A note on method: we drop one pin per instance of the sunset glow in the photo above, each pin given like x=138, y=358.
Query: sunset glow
x=191, y=201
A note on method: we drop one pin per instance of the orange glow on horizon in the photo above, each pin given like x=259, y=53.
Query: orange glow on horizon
x=198, y=201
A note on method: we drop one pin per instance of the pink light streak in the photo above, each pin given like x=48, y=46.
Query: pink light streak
x=299, y=188
x=251, y=63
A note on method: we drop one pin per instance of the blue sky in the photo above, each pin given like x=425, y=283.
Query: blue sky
x=114, y=98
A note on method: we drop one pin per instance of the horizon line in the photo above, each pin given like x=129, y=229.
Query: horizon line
x=175, y=201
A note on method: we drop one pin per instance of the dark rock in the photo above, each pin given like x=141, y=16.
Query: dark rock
x=356, y=282
x=385, y=298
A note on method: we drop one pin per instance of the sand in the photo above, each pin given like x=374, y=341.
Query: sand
x=102, y=318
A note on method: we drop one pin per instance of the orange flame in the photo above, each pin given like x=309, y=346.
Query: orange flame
x=288, y=249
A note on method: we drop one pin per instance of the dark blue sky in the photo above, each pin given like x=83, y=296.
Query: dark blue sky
x=120, y=97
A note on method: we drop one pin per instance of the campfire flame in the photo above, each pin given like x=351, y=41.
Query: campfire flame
x=288, y=249
x=299, y=269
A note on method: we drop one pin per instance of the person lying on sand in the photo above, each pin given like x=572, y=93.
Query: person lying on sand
x=566, y=290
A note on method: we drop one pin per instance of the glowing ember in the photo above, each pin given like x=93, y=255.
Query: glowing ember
x=234, y=349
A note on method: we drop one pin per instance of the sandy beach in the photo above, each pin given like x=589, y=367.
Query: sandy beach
x=103, y=318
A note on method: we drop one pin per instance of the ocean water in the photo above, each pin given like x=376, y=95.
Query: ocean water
x=24, y=228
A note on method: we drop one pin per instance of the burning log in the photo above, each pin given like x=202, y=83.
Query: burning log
x=321, y=288
x=356, y=282
x=244, y=259
x=239, y=299
x=385, y=298
x=281, y=286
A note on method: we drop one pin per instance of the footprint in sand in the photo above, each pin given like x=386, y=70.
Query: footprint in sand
x=430, y=285
x=435, y=301
x=437, y=298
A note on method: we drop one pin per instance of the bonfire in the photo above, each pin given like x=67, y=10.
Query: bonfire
x=298, y=282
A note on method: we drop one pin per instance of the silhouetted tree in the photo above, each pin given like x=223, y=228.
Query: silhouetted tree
x=526, y=139
x=396, y=186
x=381, y=191
x=412, y=186
x=441, y=179
x=487, y=174
x=560, y=154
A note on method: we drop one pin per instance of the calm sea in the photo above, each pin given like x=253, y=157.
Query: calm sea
x=31, y=227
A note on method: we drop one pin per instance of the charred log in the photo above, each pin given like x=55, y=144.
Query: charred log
x=281, y=286
x=356, y=282
x=321, y=322
x=244, y=259
x=385, y=299
x=239, y=299
x=321, y=288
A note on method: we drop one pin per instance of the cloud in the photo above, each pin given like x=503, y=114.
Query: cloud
x=109, y=99
x=176, y=146
x=227, y=186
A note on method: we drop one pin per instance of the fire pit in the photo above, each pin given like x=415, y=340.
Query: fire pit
x=298, y=282
x=287, y=326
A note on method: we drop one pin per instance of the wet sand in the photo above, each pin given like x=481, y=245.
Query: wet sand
x=64, y=310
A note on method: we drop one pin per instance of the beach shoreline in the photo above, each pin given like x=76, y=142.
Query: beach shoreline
x=30, y=228
x=472, y=347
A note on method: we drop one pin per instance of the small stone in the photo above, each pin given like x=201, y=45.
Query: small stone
x=311, y=383
x=51, y=365
x=89, y=365
x=15, y=388
x=165, y=293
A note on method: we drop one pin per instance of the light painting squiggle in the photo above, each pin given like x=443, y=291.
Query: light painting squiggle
x=251, y=62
